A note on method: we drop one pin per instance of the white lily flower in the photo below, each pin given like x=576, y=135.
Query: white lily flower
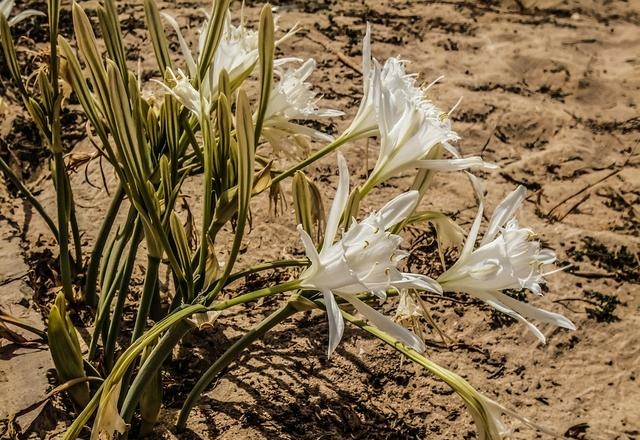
x=394, y=107
x=400, y=89
x=237, y=53
x=507, y=257
x=184, y=92
x=293, y=99
x=364, y=260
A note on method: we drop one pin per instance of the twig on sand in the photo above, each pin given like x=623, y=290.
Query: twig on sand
x=324, y=42
x=586, y=188
x=574, y=207
x=593, y=275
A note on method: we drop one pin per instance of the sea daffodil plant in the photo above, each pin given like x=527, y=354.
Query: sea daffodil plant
x=207, y=127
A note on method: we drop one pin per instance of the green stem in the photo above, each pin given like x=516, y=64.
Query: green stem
x=314, y=157
x=229, y=356
x=148, y=294
x=116, y=319
x=62, y=198
x=267, y=266
x=207, y=212
x=154, y=362
x=96, y=254
x=77, y=244
x=100, y=324
x=112, y=255
x=29, y=196
x=257, y=294
x=261, y=267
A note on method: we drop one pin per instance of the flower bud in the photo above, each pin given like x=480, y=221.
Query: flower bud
x=307, y=203
x=65, y=351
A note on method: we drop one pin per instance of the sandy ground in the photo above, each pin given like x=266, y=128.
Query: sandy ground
x=550, y=93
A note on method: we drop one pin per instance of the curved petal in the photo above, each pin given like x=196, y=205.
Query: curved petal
x=339, y=202
x=473, y=235
x=385, y=324
x=529, y=311
x=366, y=58
x=336, y=323
x=455, y=164
x=503, y=212
x=416, y=281
x=309, y=247
x=398, y=209
x=184, y=47
x=489, y=299
x=475, y=227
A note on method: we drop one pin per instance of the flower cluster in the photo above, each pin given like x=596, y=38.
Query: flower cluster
x=408, y=125
x=507, y=257
x=212, y=128
x=365, y=258
x=410, y=128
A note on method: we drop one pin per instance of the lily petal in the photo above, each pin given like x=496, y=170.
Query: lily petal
x=339, y=202
x=489, y=299
x=398, y=209
x=503, y=212
x=336, y=323
x=529, y=311
x=184, y=47
x=309, y=247
x=386, y=324
x=455, y=164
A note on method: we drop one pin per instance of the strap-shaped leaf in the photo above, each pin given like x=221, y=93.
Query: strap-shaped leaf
x=266, y=50
x=79, y=85
x=112, y=34
x=87, y=44
x=213, y=35
x=122, y=126
x=53, y=12
x=38, y=116
x=46, y=91
x=139, y=109
x=221, y=153
x=65, y=350
x=302, y=202
x=224, y=85
x=246, y=150
x=158, y=37
x=182, y=245
x=10, y=58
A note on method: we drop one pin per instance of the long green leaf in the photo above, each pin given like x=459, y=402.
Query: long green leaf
x=266, y=52
x=158, y=37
